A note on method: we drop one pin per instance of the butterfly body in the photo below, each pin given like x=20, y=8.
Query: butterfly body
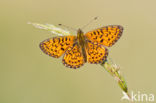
x=81, y=39
x=89, y=47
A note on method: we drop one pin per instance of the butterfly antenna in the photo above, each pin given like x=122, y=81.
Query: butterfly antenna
x=95, y=18
x=68, y=27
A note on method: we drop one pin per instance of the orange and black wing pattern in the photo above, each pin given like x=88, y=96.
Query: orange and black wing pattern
x=57, y=46
x=106, y=36
x=96, y=53
x=73, y=57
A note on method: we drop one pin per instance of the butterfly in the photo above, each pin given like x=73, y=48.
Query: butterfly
x=90, y=47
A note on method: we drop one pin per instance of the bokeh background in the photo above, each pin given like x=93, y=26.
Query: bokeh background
x=29, y=76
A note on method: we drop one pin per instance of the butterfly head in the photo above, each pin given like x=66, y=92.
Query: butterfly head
x=80, y=34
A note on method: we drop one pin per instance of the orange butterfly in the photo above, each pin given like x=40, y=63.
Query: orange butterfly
x=89, y=47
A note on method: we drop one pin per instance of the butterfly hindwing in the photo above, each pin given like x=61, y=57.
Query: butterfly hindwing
x=106, y=36
x=73, y=57
x=96, y=53
x=56, y=46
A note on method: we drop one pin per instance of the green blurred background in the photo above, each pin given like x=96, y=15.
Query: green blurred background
x=29, y=76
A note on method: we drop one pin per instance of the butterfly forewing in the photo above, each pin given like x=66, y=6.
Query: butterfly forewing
x=56, y=46
x=106, y=36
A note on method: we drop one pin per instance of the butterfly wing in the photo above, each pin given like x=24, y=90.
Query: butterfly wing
x=73, y=57
x=96, y=53
x=106, y=36
x=56, y=46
